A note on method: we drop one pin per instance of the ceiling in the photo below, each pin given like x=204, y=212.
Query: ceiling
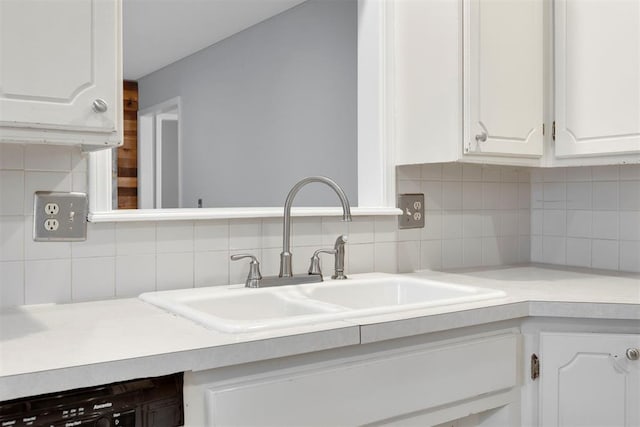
x=159, y=32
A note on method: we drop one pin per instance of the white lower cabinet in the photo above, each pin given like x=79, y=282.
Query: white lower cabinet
x=418, y=384
x=586, y=379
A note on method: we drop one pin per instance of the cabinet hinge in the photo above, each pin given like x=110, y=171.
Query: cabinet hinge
x=535, y=367
x=553, y=131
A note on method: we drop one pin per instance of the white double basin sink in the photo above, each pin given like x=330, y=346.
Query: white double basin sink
x=239, y=309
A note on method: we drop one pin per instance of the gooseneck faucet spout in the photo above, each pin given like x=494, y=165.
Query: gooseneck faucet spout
x=285, y=257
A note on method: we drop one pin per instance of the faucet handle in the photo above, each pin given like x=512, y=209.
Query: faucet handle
x=254, y=277
x=314, y=267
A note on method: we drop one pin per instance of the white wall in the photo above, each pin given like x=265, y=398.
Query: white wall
x=475, y=216
x=587, y=216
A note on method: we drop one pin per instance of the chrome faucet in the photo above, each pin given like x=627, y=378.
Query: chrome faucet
x=285, y=256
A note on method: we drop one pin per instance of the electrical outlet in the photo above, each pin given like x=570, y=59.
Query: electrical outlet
x=412, y=206
x=51, y=209
x=59, y=217
x=51, y=224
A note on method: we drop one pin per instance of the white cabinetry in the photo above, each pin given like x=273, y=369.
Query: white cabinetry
x=597, y=77
x=467, y=81
x=587, y=380
x=60, y=72
x=424, y=384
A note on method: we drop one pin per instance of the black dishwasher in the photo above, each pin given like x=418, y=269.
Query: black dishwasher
x=147, y=402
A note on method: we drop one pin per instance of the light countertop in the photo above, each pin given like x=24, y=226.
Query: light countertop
x=49, y=347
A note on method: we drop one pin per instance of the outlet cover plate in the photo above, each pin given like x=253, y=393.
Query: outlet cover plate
x=71, y=216
x=412, y=206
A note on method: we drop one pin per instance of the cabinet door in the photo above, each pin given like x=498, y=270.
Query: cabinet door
x=587, y=380
x=597, y=74
x=503, y=51
x=57, y=59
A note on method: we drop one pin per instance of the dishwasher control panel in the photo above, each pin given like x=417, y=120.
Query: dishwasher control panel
x=147, y=402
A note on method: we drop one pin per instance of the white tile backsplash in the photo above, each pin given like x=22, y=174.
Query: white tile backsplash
x=475, y=215
x=602, y=210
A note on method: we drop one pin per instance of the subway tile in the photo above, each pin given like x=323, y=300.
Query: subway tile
x=386, y=230
x=472, y=252
x=332, y=227
x=582, y=173
x=604, y=254
x=12, y=237
x=432, y=226
x=432, y=172
x=47, y=281
x=508, y=247
x=135, y=274
x=44, y=181
x=524, y=249
x=537, y=196
x=509, y=195
x=472, y=224
x=536, y=249
x=11, y=156
x=509, y=223
x=409, y=187
x=536, y=175
x=408, y=256
x=432, y=191
x=508, y=174
x=431, y=254
x=491, y=173
x=579, y=252
x=630, y=172
x=79, y=160
x=11, y=283
x=490, y=251
x=579, y=223
x=471, y=195
x=408, y=172
x=211, y=268
x=452, y=195
x=604, y=173
x=47, y=158
x=524, y=175
x=605, y=196
x=554, y=223
x=490, y=195
x=537, y=221
x=452, y=172
x=524, y=195
x=409, y=234
x=101, y=241
x=134, y=238
x=630, y=256
x=212, y=235
x=361, y=258
x=452, y=225
x=12, y=193
x=245, y=234
x=361, y=229
x=386, y=257
x=42, y=250
x=554, y=250
x=630, y=225
x=93, y=278
x=554, y=195
x=174, y=271
x=471, y=172
x=604, y=225
x=524, y=222
x=491, y=223
x=306, y=232
x=269, y=264
x=630, y=195
x=452, y=253
x=79, y=182
x=579, y=195
x=554, y=175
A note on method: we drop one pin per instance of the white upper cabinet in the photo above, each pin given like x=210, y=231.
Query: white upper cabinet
x=504, y=91
x=60, y=72
x=597, y=77
x=467, y=81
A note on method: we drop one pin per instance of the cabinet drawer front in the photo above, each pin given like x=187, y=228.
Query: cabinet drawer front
x=365, y=391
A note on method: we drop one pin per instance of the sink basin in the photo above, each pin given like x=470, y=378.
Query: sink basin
x=239, y=310
x=392, y=293
x=247, y=310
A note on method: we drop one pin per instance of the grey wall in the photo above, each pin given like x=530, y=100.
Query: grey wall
x=267, y=107
x=170, y=170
